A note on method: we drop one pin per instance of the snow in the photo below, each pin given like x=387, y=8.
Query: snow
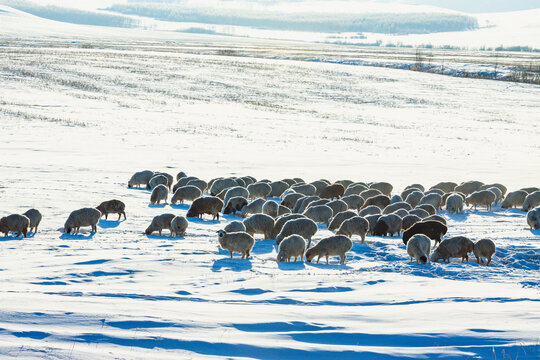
x=76, y=122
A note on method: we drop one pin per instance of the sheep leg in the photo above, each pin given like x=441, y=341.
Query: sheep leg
x=326, y=259
x=247, y=254
x=159, y=231
x=488, y=260
x=106, y=215
x=231, y=253
x=319, y=258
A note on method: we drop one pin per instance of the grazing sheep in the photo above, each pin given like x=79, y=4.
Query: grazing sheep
x=270, y=207
x=16, y=223
x=319, y=214
x=306, y=189
x=186, y=193
x=278, y=188
x=182, y=182
x=435, y=191
x=421, y=213
x=388, y=224
x=454, y=204
x=356, y=225
x=239, y=242
x=396, y=206
x=419, y=247
x=291, y=199
x=157, y=180
x=372, y=220
x=533, y=218
x=339, y=218
x=468, y=187
x=514, y=199
x=366, y=194
x=35, y=218
x=370, y=210
x=416, y=186
x=259, y=190
x=331, y=246
x=501, y=188
x=289, y=182
x=233, y=192
x=205, y=205
x=240, y=182
x=414, y=198
x=320, y=185
x=254, y=207
x=303, y=203
x=401, y=213
x=396, y=199
x=201, y=184
x=287, y=192
x=458, y=246
x=260, y=224
x=436, y=218
x=498, y=194
x=112, y=207
x=169, y=177
x=430, y=209
x=180, y=175
x=179, y=225
x=355, y=189
x=280, y=221
x=140, y=178
x=282, y=210
x=248, y=180
x=332, y=191
x=317, y=203
x=446, y=187
x=481, y=198
x=299, y=180
x=431, y=199
x=159, y=194
x=159, y=223
x=82, y=217
x=409, y=221
x=531, y=201
x=337, y=206
x=354, y=202
x=304, y=227
x=381, y=201
x=530, y=190
x=221, y=184
x=484, y=248
x=291, y=246
x=409, y=191
x=235, y=204
x=235, y=226
x=383, y=187
x=344, y=183
x=435, y=230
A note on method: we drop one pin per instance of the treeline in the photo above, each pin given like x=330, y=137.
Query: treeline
x=386, y=23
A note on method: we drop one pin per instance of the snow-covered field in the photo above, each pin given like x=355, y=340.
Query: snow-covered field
x=76, y=122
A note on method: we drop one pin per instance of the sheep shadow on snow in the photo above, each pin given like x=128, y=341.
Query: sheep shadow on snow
x=79, y=236
x=234, y=264
x=263, y=246
x=180, y=206
x=13, y=237
x=157, y=206
x=202, y=221
x=291, y=266
x=535, y=232
x=109, y=224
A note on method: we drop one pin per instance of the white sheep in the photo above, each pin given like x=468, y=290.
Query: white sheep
x=419, y=247
x=501, y=188
x=180, y=175
x=409, y=221
x=169, y=177
x=454, y=204
x=354, y=189
x=254, y=207
x=235, y=204
x=184, y=193
x=270, y=207
x=280, y=221
x=221, y=184
x=430, y=209
x=260, y=224
x=414, y=197
x=291, y=246
x=381, y=201
x=337, y=206
x=305, y=189
x=35, y=218
x=240, y=242
x=159, y=194
x=383, y=187
x=201, y=184
x=233, y=192
x=331, y=246
x=301, y=204
x=388, y=224
x=235, y=226
x=140, y=178
x=290, y=199
x=405, y=193
x=283, y=210
x=15, y=223
x=514, y=199
x=458, y=246
x=156, y=180
x=445, y=186
x=533, y=218
x=481, y=198
x=82, y=217
x=484, y=248
x=320, y=185
x=366, y=194
x=393, y=207
x=159, y=223
x=179, y=225
x=278, y=188
x=304, y=227
x=319, y=214
x=370, y=210
x=259, y=190
x=396, y=199
x=356, y=225
x=498, y=194
x=401, y=213
x=354, y=202
x=339, y=218
x=531, y=201
x=432, y=199
x=372, y=220
x=421, y=213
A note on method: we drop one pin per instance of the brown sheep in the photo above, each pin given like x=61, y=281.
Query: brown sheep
x=205, y=205
x=112, y=207
x=435, y=230
x=332, y=191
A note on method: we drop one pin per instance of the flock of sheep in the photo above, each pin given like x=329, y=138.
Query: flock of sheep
x=346, y=207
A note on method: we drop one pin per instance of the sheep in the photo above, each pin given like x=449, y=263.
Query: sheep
x=366, y=194
x=370, y=210
x=259, y=190
x=435, y=230
x=183, y=182
x=435, y=191
x=430, y=209
x=240, y=182
x=339, y=218
x=260, y=224
x=454, y=204
x=240, y=242
x=372, y=220
x=233, y=192
x=270, y=207
x=180, y=175
x=112, y=207
x=337, y=206
x=354, y=202
x=481, y=198
x=533, y=218
x=497, y=192
x=431, y=199
x=283, y=210
x=354, y=189
x=235, y=204
x=221, y=184
x=303, y=227
x=186, y=193
x=514, y=199
x=445, y=186
x=299, y=180
x=380, y=201
x=409, y=191
x=280, y=221
x=332, y=191
x=458, y=246
x=484, y=248
x=159, y=194
x=157, y=180
x=317, y=203
x=344, y=183
x=303, y=203
x=530, y=190
x=179, y=225
x=468, y=187
x=289, y=182
x=278, y=188
x=205, y=205
x=409, y=221
x=35, y=218
x=159, y=223
x=414, y=198
x=15, y=223
x=287, y=192
x=291, y=246
x=320, y=185
x=140, y=178
x=248, y=180
x=306, y=189
x=336, y=245
x=531, y=201
x=396, y=199
x=436, y=218
x=356, y=225
x=419, y=212
x=254, y=207
x=396, y=206
x=388, y=224
x=201, y=184
x=501, y=187
x=291, y=199
x=416, y=186
x=319, y=213
x=401, y=213
x=266, y=181
x=419, y=247
x=82, y=217
x=235, y=226
x=383, y=187
x=169, y=177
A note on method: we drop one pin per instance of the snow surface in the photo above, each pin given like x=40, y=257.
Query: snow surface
x=76, y=122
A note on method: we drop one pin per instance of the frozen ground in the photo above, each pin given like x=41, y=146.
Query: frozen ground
x=76, y=121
